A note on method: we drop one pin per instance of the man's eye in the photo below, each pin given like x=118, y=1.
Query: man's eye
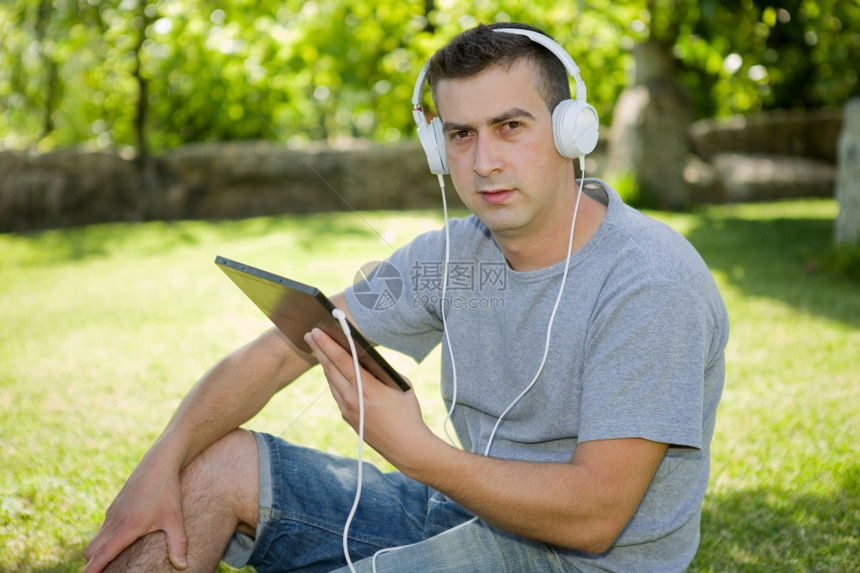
x=513, y=124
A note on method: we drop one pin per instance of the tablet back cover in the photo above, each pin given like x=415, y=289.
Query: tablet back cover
x=297, y=308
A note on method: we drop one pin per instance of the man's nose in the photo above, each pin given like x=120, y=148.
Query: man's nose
x=488, y=156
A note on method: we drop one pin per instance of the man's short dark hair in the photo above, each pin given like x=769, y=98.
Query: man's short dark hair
x=480, y=48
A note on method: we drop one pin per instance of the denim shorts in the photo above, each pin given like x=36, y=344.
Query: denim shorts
x=401, y=525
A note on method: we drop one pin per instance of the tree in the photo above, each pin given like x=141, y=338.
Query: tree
x=847, y=231
x=71, y=71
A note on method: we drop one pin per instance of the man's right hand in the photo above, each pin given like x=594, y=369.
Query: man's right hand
x=228, y=395
x=151, y=500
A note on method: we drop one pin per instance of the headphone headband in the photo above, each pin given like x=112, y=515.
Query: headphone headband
x=538, y=38
x=417, y=108
x=557, y=51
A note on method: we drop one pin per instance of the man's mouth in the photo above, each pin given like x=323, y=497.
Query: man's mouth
x=496, y=196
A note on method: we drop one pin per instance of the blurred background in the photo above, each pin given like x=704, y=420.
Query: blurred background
x=186, y=109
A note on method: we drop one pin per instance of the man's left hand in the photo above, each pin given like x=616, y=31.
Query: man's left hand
x=393, y=425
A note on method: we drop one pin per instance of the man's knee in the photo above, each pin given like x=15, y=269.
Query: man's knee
x=147, y=554
x=227, y=473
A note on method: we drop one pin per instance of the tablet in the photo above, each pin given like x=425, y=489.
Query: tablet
x=296, y=309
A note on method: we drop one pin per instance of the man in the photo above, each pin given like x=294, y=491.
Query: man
x=596, y=413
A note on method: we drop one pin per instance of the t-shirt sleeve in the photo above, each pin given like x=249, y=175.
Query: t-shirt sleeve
x=644, y=366
x=397, y=304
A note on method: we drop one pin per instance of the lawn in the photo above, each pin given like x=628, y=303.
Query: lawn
x=103, y=329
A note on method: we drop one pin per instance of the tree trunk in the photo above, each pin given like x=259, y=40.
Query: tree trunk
x=51, y=72
x=145, y=203
x=648, y=141
x=141, y=22
x=848, y=178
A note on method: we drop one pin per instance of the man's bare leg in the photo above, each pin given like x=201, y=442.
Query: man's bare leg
x=220, y=495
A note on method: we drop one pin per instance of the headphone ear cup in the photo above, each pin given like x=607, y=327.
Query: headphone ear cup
x=433, y=141
x=439, y=134
x=575, y=128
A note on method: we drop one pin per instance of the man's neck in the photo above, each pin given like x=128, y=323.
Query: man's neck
x=534, y=252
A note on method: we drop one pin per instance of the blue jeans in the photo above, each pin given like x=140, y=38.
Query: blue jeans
x=306, y=496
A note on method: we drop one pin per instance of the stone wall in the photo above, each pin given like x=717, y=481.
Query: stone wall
x=211, y=181
x=752, y=158
x=779, y=155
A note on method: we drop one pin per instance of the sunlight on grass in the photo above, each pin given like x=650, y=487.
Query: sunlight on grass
x=105, y=328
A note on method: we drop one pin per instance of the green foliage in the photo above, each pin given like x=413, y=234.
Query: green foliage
x=756, y=54
x=317, y=70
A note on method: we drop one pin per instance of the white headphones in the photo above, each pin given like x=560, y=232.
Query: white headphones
x=574, y=121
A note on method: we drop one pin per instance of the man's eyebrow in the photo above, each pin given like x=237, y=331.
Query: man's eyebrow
x=508, y=115
x=513, y=113
x=451, y=126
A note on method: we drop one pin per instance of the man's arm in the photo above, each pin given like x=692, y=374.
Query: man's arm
x=227, y=396
x=582, y=505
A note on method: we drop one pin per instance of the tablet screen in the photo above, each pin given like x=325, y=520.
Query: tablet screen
x=297, y=308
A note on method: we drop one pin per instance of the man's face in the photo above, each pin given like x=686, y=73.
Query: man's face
x=501, y=155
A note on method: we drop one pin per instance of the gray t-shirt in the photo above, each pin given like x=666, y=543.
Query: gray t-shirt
x=637, y=350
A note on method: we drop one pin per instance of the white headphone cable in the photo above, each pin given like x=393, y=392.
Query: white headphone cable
x=344, y=325
x=549, y=326
x=341, y=317
x=546, y=346
x=442, y=306
x=551, y=316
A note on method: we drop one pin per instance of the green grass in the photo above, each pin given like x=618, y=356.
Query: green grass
x=103, y=329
